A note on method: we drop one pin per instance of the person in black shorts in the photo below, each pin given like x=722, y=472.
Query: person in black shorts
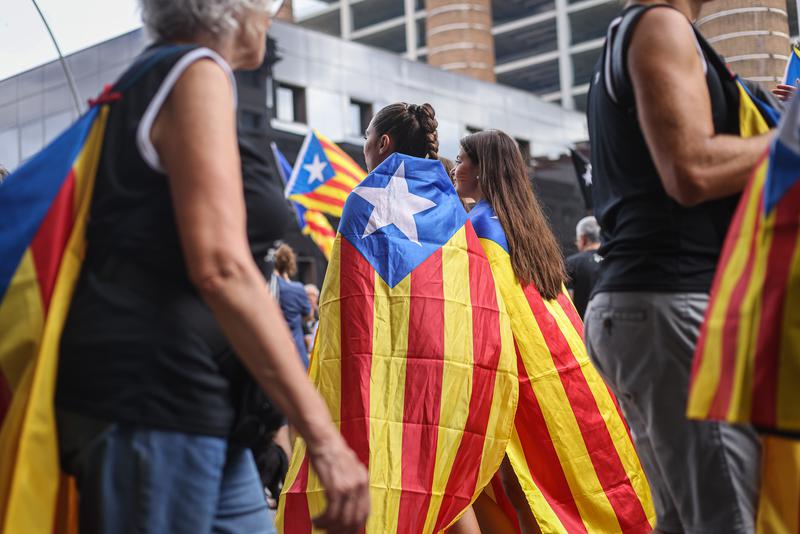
x=669, y=164
x=583, y=267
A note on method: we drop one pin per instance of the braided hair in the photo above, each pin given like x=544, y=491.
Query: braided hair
x=411, y=127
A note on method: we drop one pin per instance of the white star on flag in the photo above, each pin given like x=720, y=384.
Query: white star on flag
x=315, y=169
x=394, y=204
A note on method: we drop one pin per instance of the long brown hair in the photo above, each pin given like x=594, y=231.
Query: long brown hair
x=413, y=128
x=535, y=254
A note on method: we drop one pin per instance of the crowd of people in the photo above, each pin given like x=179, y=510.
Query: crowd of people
x=172, y=321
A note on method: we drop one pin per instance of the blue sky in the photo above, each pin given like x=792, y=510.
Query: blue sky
x=76, y=24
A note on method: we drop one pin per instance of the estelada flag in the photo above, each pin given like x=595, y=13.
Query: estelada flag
x=571, y=449
x=323, y=175
x=414, y=355
x=747, y=361
x=311, y=222
x=45, y=206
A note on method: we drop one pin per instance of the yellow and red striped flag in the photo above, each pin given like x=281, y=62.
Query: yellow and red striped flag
x=571, y=448
x=323, y=175
x=45, y=206
x=312, y=223
x=413, y=356
x=747, y=361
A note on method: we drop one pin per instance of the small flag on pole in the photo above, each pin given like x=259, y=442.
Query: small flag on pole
x=311, y=222
x=323, y=175
x=583, y=172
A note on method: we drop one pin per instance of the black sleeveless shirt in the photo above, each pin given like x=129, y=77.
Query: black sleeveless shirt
x=140, y=345
x=650, y=241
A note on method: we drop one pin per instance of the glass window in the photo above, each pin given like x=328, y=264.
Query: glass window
x=31, y=139
x=9, y=148
x=592, y=23
x=290, y=103
x=55, y=124
x=525, y=149
x=526, y=42
x=359, y=115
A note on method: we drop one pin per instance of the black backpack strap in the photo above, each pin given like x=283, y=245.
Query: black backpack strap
x=615, y=66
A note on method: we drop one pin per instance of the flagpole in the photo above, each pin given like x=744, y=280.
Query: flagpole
x=67, y=73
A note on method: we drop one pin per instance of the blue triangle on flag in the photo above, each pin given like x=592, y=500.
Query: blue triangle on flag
x=784, y=162
x=401, y=213
x=311, y=169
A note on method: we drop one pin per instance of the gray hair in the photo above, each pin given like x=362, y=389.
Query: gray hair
x=588, y=227
x=3, y=173
x=169, y=19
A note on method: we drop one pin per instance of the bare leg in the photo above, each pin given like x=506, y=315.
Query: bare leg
x=491, y=518
x=468, y=524
x=527, y=523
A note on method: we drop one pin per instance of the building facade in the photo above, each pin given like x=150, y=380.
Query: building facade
x=315, y=80
x=547, y=47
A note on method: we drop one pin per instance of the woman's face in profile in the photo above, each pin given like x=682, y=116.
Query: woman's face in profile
x=373, y=155
x=465, y=176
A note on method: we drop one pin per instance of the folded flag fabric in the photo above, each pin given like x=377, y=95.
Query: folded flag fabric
x=779, y=498
x=571, y=448
x=45, y=206
x=323, y=175
x=311, y=222
x=747, y=361
x=413, y=356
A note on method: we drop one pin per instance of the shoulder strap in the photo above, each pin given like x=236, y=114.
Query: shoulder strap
x=146, y=61
x=615, y=66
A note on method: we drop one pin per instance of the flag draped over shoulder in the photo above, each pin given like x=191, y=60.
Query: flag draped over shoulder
x=312, y=223
x=323, y=175
x=414, y=355
x=571, y=449
x=747, y=361
x=44, y=208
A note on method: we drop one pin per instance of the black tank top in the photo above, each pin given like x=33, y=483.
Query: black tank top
x=650, y=241
x=140, y=345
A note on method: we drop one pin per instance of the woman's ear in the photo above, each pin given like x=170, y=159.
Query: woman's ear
x=385, y=144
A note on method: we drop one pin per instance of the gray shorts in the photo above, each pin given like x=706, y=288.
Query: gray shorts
x=703, y=475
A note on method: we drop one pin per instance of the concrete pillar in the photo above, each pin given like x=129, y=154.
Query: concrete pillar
x=409, y=9
x=286, y=13
x=751, y=35
x=459, y=37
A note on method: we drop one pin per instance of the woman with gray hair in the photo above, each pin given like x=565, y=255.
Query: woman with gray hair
x=147, y=395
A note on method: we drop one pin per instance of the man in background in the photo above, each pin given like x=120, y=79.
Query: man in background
x=582, y=268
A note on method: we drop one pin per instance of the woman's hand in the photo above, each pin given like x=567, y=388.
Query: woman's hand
x=784, y=92
x=345, y=481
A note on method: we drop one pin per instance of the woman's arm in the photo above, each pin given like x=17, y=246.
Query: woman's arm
x=195, y=137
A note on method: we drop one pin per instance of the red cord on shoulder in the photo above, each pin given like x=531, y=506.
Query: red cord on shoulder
x=105, y=97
